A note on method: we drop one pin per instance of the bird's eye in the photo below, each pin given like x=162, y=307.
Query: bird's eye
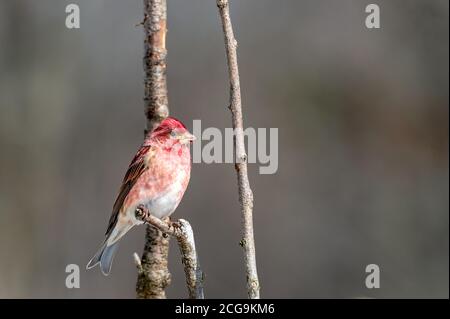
x=173, y=133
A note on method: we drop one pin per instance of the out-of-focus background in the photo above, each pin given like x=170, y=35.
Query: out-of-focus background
x=363, y=144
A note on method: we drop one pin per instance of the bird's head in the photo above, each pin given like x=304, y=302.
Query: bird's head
x=172, y=130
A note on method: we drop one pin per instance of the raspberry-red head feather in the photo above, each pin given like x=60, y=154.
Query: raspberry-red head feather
x=166, y=126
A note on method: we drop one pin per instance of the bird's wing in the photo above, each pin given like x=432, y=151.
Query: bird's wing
x=137, y=167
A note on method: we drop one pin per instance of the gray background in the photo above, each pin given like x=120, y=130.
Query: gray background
x=363, y=165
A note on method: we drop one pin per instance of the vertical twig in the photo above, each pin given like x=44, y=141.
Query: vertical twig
x=153, y=273
x=245, y=192
x=155, y=82
x=154, y=276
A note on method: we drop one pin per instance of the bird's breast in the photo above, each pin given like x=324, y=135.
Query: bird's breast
x=162, y=186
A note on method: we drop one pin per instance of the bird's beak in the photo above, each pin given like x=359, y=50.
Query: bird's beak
x=187, y=137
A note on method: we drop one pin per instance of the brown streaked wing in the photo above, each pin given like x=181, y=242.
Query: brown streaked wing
x=136, y=168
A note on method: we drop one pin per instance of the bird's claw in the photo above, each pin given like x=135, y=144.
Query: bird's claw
x=140, y=213
x=176, y=225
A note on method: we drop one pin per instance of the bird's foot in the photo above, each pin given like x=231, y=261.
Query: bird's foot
x=141, y=213
x=176, y=226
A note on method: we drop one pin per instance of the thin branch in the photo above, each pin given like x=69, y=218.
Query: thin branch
x=154, y=276
x=245, y=192
x=137, y=262
x=184, y=234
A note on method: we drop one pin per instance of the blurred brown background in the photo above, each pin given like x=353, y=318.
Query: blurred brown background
x=363, y=165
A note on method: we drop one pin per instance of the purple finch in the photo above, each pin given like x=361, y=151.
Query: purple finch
x=156, y=178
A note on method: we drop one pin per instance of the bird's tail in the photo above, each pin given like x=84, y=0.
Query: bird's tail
x=105, y=254
x=104, y=257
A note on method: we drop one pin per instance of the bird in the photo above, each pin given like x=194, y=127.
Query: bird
x=157, y=179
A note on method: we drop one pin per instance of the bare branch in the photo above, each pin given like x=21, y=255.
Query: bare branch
x=184, y=234
x=192, y=270
x=153, y=274
x=154, y=277
x=245, y=192
x=137, y=262
x=155, y=83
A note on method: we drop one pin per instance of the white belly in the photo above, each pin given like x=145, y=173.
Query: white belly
x=165, y=205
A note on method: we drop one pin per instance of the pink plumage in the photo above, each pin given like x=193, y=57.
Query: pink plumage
x=157, y=178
